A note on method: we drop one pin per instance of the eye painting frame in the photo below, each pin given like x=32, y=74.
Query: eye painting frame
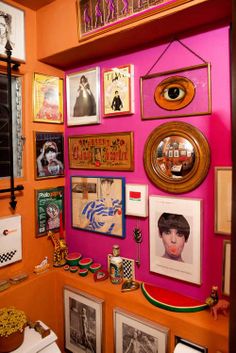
x=200, y=104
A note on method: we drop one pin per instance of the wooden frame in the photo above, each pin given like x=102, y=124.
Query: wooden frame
x=136, y=200
x=91, y=15
x=82, y=312
x=49, y=154
x=226, y=267
x=223, y=200
x=118, y=91
x=105, y=196
x=130, y=329
x=13, y=22
x=192, y=95
x=182, y=172
x=49, y=210
x=82, y=91
x=47, y=99
x=110, y=151
x=183, y=259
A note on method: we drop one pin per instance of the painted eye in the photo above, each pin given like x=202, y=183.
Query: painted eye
x=174, y=93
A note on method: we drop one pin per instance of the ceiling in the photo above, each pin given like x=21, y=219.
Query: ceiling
x=34, y=4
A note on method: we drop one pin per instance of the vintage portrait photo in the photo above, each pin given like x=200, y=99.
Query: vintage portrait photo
x=83, y=97
x=49, y=210
x=136, y=334
x=118, y=91
x=175, y=237
x=83, y=322
x=98, y=204
x=12, y=29
x=49, y=152
x=48, y=99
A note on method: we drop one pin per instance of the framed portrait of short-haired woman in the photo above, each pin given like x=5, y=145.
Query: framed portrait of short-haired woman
x=175, y=237
x=82, y=92
x=49, y=155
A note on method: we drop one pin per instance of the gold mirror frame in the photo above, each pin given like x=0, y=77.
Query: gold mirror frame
x=200, y=164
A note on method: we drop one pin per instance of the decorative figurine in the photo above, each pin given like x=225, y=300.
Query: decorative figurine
x=213, y=298
x=42, y=267
x=60, y=250
x=221, y=307
x=138, y=237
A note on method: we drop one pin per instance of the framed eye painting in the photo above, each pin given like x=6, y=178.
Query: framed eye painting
x=179, y=93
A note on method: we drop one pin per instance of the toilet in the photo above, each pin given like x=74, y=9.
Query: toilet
x=34, y=343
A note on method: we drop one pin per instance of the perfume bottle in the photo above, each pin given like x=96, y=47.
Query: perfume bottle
x=116, y=267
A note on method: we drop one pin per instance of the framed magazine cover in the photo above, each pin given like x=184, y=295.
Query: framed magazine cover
x=83, y=321
x=83, y=94
x=176, y=237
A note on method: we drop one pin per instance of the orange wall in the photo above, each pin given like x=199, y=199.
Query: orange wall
x=34, y=249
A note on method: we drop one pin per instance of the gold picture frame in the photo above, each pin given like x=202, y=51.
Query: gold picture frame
x=226, y=267
x=176, y=157
x=47, y=99
x=109, y=151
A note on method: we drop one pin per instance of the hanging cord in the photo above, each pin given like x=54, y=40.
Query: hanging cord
x=168, y=46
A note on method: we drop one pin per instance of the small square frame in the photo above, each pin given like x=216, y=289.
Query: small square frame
x=82, y=312
x=129, y=328
x=136, y=200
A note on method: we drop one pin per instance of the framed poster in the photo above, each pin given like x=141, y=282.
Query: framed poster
x=111, y=151
x=83, y=321
x=98, y=204
x=226, y=267
x=49, y=154
x=118, y=91
x=136, y=200
x=175, y=237
x=179, y=93
x=223, y=200
x=13, y=29
x=47, y=99
x=49, y=204
x=82, y=92
x=134, y=331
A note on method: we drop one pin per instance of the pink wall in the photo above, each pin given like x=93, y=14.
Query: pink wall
x=213, y=47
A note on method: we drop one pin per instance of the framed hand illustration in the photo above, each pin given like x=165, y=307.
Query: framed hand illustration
x=98, y=204
x=176, y=157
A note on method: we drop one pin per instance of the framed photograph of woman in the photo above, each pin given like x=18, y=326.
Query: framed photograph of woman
x=98, y=204
x=82, y=90
x=175, y=237
x=136, y=334
x=48, y=99
x=49, y=155
x=83, y=321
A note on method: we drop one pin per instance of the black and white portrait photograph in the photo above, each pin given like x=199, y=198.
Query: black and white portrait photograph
x=83, y=97
x=134, y=334
x=83, y=322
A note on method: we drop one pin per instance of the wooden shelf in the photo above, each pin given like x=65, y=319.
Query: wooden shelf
x=159, y=27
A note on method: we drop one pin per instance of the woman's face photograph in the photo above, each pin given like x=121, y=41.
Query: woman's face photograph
x=173, y=243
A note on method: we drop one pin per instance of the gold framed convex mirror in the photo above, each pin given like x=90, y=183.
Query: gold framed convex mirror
x=176, y=157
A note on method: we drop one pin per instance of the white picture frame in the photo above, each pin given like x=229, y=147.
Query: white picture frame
x=13, y=21
x=79, y=308
x=129, y=328
x=180, y=261
x=83, y=96
x=226, y=267
x=136, y=200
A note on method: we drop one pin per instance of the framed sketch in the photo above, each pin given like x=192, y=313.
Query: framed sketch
x=118, y=91
x=179, y=93
x=110, y=151
x=12, y=29
x=83, y=321
x=136, y=200
x=176, y=157
x=98, y=204
x=223, y=200
x=134, y=331
x=82, y=91
x=49, y=154
x=49, y=204
x=47, y=99
x=175, y=226
x=226, y=267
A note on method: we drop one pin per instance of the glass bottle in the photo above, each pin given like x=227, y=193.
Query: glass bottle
x=116, y=267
